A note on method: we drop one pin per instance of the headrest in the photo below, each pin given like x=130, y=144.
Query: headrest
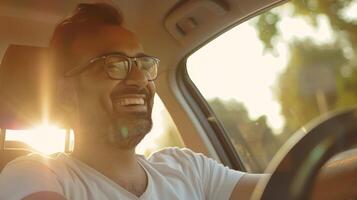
x=27, y=87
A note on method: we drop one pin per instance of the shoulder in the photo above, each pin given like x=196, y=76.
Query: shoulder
x=172, y=152
x=217, y=181
x=186, y=160
x=28, y=174
x=36, y=167
x=36, y=160
x=183, y=159
x=175, y=155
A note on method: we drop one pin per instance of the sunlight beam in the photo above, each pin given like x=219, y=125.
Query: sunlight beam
x=45, y=138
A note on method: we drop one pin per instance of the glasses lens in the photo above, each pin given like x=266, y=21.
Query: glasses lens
x=117, y=67
x=149, y=66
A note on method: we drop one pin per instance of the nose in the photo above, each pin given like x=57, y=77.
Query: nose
x=136, y=77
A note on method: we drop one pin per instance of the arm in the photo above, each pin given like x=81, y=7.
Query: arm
x=338, y=177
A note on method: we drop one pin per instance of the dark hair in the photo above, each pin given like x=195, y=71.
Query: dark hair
x=82, y=19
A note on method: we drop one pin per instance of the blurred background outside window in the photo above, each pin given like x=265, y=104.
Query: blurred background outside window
x=267, y=77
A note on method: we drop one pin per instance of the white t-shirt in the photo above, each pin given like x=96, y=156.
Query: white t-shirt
x=172, y=174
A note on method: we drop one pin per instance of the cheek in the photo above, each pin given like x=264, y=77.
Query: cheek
x=106, y=104
x=97, y=91
x=104, y=94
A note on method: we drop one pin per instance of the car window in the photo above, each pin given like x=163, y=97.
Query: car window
x=49, y=139
x=267, y=77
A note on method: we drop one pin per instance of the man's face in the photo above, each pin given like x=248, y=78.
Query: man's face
x=118, y=111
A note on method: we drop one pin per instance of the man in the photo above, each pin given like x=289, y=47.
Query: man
x=106, y=89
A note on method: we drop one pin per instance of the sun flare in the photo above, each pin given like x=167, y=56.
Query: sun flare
x=45, y=138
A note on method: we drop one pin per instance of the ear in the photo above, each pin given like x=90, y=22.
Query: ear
x=67, y=100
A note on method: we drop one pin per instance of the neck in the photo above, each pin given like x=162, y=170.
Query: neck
x=102, y=156
x=114, y=158
x=119, y=165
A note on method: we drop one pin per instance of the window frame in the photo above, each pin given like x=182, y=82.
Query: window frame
x=208, y=120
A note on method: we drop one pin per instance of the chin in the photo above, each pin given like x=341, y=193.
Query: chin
x=129, y=131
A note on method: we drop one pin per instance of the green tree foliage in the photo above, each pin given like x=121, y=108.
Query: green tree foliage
x=318, y=77
x=253, y=139
x=310, y=9
x=312, y=83
x=267, y=24
x=333, y=10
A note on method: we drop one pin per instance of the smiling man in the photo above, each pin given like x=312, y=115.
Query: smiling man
x=106, y=90
x=112, y=86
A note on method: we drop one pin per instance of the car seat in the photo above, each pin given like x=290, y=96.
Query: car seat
x=26, y=95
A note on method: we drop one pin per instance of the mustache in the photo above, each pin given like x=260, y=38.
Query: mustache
x=119, y=92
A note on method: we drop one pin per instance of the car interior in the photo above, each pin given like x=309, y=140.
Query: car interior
x=311, y=131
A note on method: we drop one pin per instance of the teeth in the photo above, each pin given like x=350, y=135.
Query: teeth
x=131, y=101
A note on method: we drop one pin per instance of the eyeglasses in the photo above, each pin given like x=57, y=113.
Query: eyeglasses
x=118, y=66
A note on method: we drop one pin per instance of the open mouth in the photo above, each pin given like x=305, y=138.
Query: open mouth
x=130, y=103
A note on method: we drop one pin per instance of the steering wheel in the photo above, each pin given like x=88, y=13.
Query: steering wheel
x=297, y=163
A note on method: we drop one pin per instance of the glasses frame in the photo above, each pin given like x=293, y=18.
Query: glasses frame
x=80, y=68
